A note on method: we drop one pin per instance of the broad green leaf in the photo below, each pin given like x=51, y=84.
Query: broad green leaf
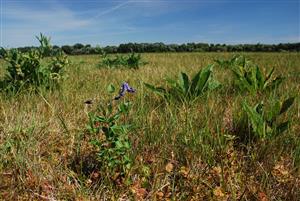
x=159, y=90
x=257, y=121
x=252, y=79
x=111, y=88
x=259, y=78
x=184, y=82
x=274, y=112
x=214, y=84
x=286, y=105
x=203, y=79
x=282, y=127
x=194, y=82
x=171, y=82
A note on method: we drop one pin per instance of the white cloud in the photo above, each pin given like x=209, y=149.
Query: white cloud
x=21, y=23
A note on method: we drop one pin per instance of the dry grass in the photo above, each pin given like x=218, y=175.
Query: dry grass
x=42, y=141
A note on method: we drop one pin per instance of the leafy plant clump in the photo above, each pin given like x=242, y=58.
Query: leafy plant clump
x=265, y=121
x=248, y=76
x=131, y=61
x=110, y=137
x=186, y=89
x=29, y=71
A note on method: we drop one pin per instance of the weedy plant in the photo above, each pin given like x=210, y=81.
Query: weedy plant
x=248, y=76
x=28, y=71
x=132, y=61
x=45, y=48
x=265, y=122
x=110, y=136
x=186, y=89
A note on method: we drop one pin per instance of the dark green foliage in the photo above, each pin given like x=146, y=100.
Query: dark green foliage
x=132, y=61
x=27, y=70
x=161, y=47
x=248, y=76
x=265, y=121
x=45, y=48
x=110, y=138
x=187, y=89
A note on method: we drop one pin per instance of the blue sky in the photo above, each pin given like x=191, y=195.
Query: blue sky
x=113, y=22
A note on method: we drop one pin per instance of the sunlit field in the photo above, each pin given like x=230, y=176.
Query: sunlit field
x=176, y=150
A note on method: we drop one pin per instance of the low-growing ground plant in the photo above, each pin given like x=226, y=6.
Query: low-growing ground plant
x=131, y=61
x=111, y=139
x=264, y=121
x=188, y=89
x=248, y=76
x=110, y=135
x=29, y=71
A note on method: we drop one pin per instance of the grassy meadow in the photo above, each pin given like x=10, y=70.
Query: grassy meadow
x=179, y=151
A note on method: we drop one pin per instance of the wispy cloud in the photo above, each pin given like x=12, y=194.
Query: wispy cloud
x=110, y=10
x=113, y=22
x=21, y=23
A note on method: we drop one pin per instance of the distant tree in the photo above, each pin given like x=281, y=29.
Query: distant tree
x=78, y=46
x=67, y=49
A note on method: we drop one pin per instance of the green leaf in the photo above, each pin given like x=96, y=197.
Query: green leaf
x=119, y=144
x=203, y=79
x=259, y=78
x=194, y=82
x=111, y=88
x=269, y=75
x=286, y=105
x=159, y=90
x=101, y=119
x=274, y=112
x=171, y=82
x=275, y=83
x=282, y=127
x=214, y=84
x=184, y=82
x=256, y=119
x=124, y=107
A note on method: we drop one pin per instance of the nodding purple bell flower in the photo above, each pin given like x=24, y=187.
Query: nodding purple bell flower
x=124, y=88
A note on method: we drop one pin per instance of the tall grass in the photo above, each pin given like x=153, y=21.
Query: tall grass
x=181, y=152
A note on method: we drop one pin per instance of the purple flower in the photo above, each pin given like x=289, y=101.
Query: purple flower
x=124, y=88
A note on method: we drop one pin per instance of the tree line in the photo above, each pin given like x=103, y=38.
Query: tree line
x=81, y=49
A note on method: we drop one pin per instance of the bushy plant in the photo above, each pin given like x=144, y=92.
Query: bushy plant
x=132, y=61
x=27, y=70
x=45, y=48
x=248, y=76
x=110, y=136
x=265, y=121
x=186, y=89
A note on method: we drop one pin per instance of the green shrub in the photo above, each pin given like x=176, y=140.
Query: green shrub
x=265, y=122
x=27, y=70
x=131, y=61
x=248, y=76
x=45, y=48
x=186, y=89
x=109, y=136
